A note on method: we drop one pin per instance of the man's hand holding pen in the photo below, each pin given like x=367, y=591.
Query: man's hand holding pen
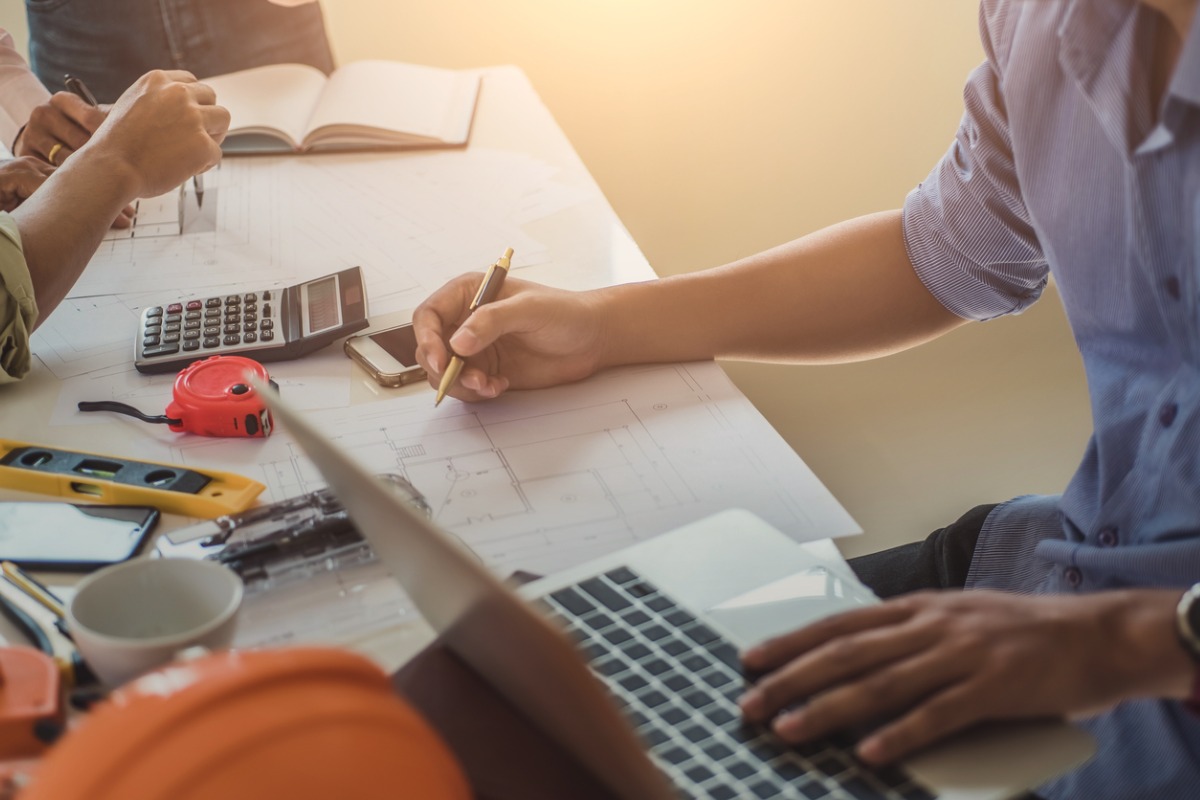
x=55, y=130
x=489, y=289
x=58, y=128
x=529, y=336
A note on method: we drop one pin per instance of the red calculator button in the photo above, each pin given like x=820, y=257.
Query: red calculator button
x=194, y=305
x=175, y=308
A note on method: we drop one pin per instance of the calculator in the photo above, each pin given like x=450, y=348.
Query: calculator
x=271, y=325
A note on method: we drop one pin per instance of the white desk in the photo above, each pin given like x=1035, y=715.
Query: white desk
x=586, y=244
x=575, y=241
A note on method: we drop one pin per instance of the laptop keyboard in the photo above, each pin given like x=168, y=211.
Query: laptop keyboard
x=678, y=682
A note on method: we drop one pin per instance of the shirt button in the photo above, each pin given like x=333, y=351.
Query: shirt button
x=1107, y=537
x=1171, y=284
x=1166, y=414
x=1073, y=576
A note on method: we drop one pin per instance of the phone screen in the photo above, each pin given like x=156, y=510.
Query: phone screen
x=399, y=343
x=62, y=536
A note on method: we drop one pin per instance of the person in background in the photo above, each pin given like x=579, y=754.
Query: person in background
x=163, y=130
x=1079, y=156
x=110, y=43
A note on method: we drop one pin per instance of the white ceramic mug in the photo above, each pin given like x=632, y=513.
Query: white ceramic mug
x=131, y=617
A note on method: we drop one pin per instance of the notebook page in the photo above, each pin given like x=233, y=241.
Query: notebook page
x=418, y=102
x=277, y=98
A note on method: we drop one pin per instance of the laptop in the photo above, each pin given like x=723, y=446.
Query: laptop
x=630, y=661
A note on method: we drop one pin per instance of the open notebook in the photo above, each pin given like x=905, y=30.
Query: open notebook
x=363, y=105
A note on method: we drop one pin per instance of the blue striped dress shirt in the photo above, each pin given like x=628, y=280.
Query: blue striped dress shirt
x=1065, y=164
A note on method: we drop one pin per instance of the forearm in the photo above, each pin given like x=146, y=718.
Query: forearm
x=1149, y=659
x=845, y=293
x=63, y=222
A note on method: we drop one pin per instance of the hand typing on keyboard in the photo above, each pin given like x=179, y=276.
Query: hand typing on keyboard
x=677, y=680
x=938, y=662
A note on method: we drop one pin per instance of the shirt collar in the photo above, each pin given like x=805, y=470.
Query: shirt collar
x=1089, y=26
x=1099, y=51
x=1103, y=46
x=1185, y=83
x=1087, y=31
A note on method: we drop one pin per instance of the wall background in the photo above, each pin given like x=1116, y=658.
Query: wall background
x=718, y=129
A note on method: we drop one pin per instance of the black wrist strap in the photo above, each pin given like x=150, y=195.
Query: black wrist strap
x=12, y=147
x=121, y=408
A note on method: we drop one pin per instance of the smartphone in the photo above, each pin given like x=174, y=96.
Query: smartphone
x=65, y=537
x=389, y=356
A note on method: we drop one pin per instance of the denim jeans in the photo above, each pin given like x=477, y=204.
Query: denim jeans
x=109, y=44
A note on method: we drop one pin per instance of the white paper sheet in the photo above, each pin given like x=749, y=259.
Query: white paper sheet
x=544, y=480
x=153, y=216
x=85, y=334
x=410, y=220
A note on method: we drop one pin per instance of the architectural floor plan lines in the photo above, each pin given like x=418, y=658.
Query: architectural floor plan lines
x=153, y=216
x=540, y=480
x=411, y=220
x=89, y=333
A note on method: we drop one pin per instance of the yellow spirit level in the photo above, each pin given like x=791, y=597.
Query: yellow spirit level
x=106, y=479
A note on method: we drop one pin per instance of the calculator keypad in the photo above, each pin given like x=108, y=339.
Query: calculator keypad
x=214, y=322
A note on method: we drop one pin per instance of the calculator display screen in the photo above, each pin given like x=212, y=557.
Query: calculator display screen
x=322, y=307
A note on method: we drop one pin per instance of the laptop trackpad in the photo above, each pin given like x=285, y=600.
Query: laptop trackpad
x=786, y=604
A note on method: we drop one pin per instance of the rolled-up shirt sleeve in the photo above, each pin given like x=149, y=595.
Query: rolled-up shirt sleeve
x=20, y=90
x=18, y=310
x=966, y=227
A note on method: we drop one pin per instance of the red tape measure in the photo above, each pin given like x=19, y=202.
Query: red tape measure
x=211, y=398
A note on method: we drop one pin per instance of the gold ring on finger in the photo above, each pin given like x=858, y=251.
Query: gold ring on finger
x=53, y=154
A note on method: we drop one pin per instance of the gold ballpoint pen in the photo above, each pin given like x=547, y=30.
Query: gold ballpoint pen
x=493, y=280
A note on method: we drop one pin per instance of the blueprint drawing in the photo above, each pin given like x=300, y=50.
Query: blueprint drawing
x=546, y=479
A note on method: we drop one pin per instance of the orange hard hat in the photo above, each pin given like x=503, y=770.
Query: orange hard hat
x=293, y=723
